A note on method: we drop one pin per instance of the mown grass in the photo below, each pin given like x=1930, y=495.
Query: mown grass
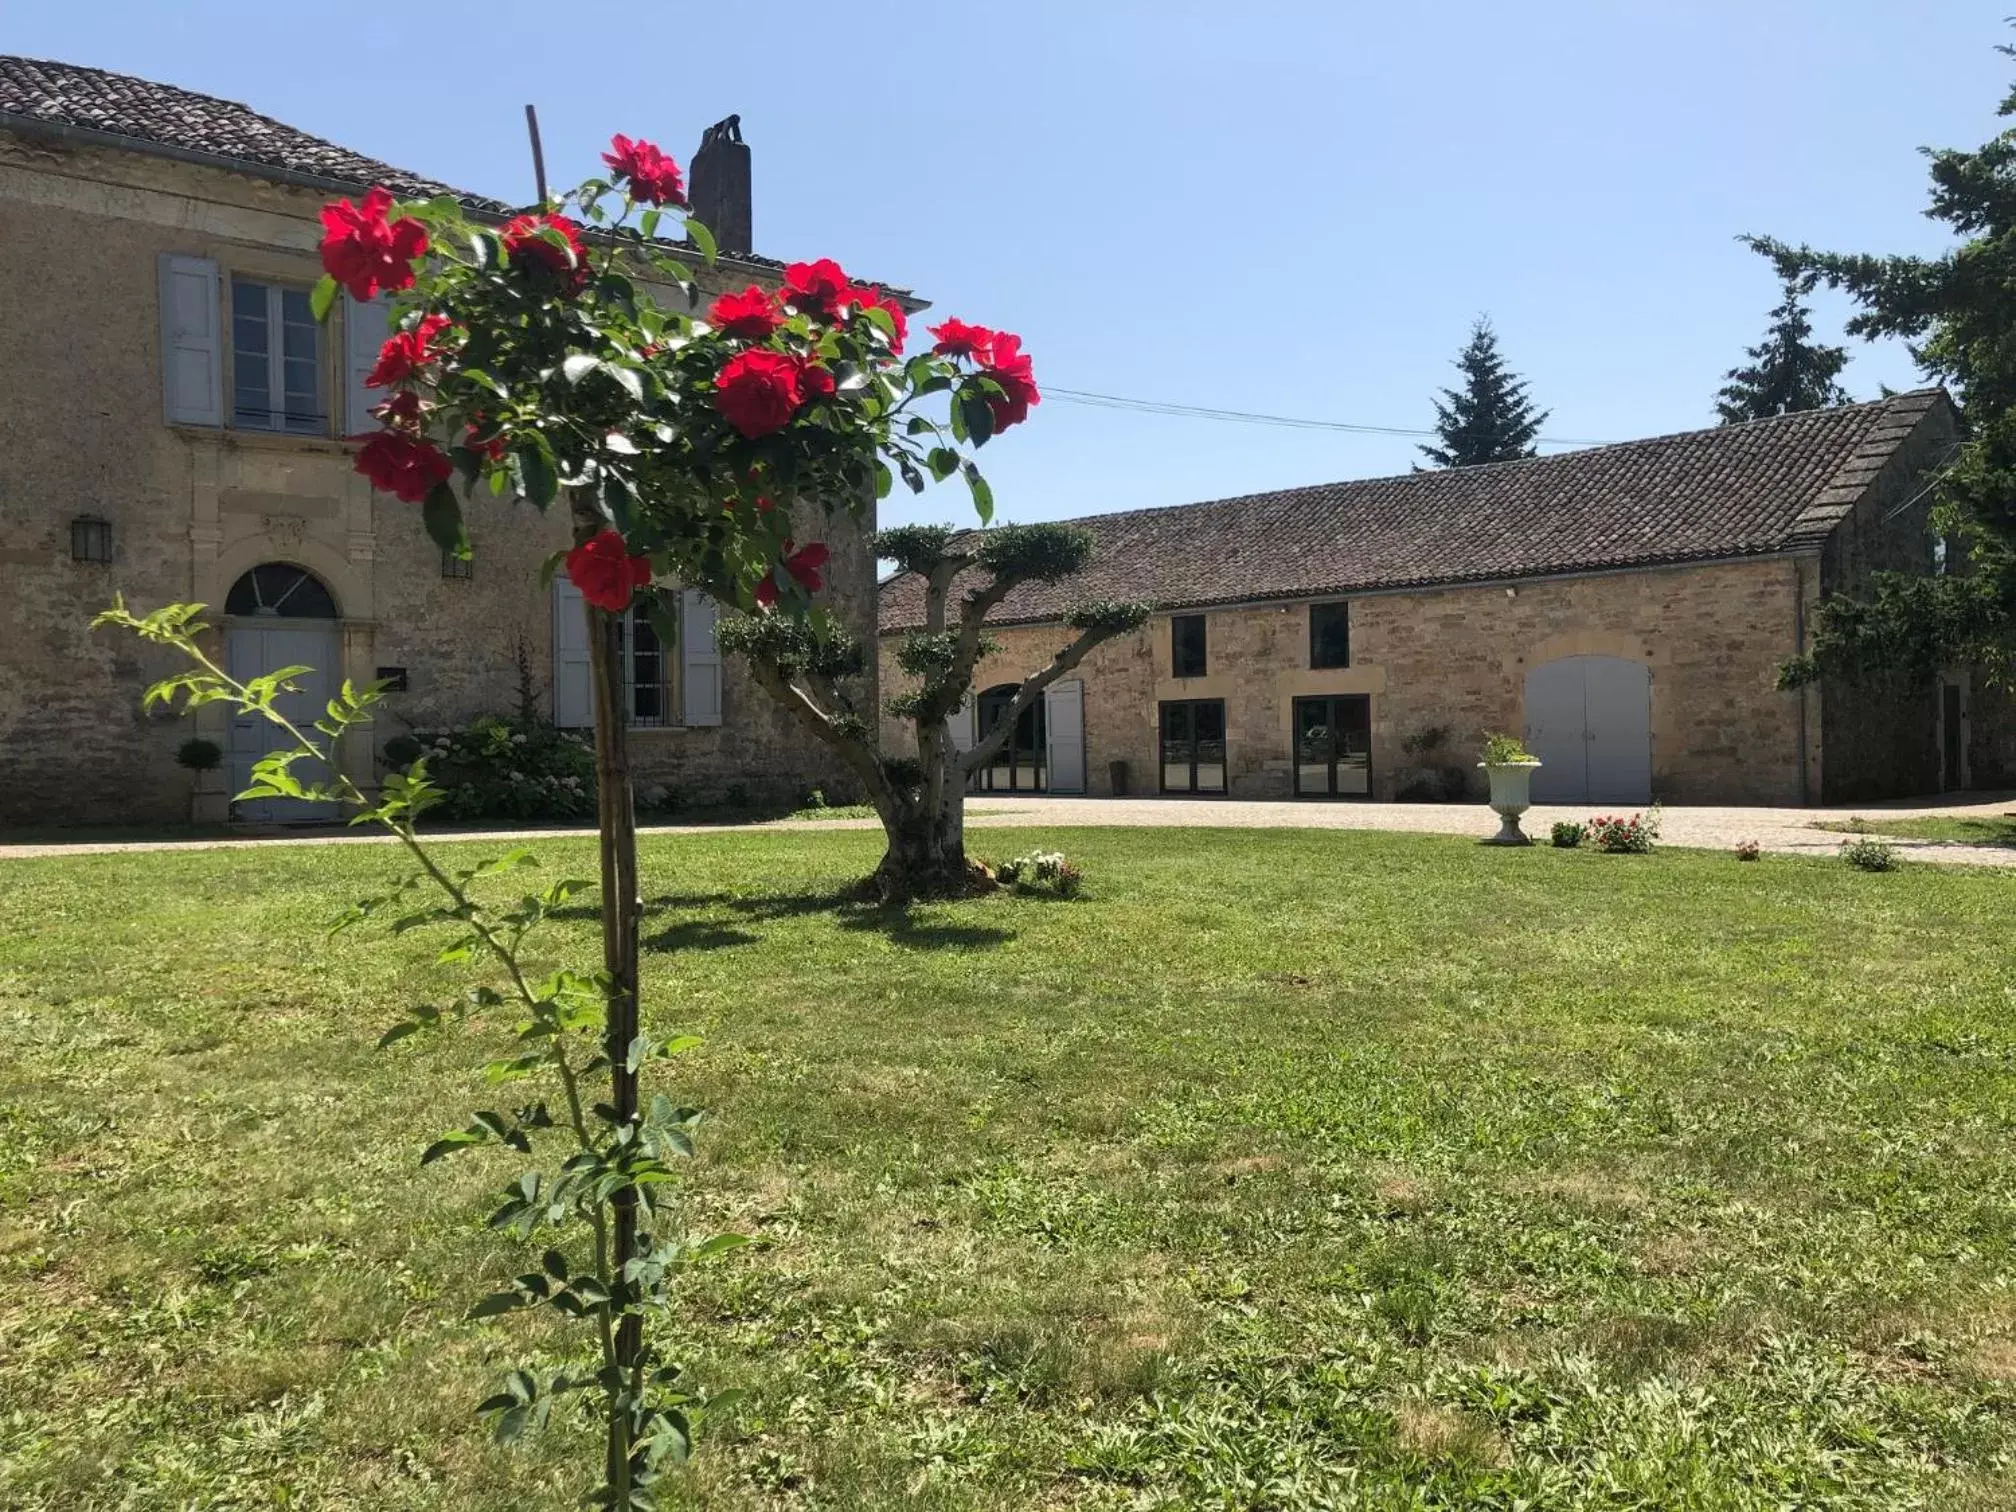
x=1279, y=1171
x=1950, y=829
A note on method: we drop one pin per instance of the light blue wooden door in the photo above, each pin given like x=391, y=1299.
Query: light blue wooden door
x=261, y=648
x=1618, y=711
x=1589, y=720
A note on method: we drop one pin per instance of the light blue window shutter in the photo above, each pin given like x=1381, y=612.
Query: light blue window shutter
x=699, y=660
x=366, y=324
x=573, y=682
x=1064, y=726
x=192, y=348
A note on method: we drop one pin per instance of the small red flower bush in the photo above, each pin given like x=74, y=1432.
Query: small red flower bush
x=1622, y=835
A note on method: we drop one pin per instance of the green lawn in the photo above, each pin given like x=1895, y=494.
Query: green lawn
x=1952, y=829
x=1283, y=1170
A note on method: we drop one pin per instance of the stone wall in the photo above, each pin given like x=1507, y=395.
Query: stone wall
x=1712, y=635
x=192, y=508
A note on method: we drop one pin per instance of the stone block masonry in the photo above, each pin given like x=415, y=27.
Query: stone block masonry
x=1712, y=636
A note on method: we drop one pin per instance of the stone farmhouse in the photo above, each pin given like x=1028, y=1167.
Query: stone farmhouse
x=173, y=425
x=1624, y=608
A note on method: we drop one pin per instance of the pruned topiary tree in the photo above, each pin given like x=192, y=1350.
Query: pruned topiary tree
x=922, y=800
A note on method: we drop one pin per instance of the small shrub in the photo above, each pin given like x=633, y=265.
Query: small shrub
x=512, y=769
x=200, y=755
x=1567, y=834
x=657, y=798
x=1748, y=850
x=1622, y=835
x=1041, y=868
x=403, y=750
x=815, y=799
x=1425, y=742
x=1434, y=784
x=1503, y=750
x=1870, y=855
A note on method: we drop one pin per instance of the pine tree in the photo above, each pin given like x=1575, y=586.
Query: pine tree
x=1955, y=311
x=1489, y=419
x=1788, y=370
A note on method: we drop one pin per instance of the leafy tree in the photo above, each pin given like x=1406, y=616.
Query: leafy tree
x=1788, y=371
x=922, y=802
x=1956, y=312
x=533, y=360
x=1490, y=418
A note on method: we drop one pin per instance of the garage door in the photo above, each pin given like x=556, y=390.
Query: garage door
x=1589, y=720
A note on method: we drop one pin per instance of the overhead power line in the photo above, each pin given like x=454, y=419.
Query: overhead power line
x=1247, y=417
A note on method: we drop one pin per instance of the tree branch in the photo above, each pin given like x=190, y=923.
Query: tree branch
x=861, y=756
x=983, y=751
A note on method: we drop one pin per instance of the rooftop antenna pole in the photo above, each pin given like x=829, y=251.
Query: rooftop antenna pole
x=538, y=154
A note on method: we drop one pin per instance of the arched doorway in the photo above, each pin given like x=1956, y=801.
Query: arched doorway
x=280, y=616
x=1589, y=720
x=1019, y=766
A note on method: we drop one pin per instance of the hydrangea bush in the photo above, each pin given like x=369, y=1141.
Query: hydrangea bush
x=497, y=768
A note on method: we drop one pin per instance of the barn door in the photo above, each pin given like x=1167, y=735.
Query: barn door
x=1589, y=720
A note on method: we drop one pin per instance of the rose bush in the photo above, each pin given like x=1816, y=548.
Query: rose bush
x=554, y=358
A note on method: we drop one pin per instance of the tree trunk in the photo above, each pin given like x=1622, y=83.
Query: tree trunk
x=926, y=857
x=617, y=822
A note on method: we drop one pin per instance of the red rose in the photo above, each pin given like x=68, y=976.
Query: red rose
x=757, y=391
x=364, y=253
x=406, y=352
x=1008, y=366
x=654, y=177
x=814, y=381
x=958, y=339
x=526, y=248
x=752, y=314
x=874, y=299
x=406, y=466
x=491, y=448
x=605, y=572
x=817, y=288
x=803, y=565
x=401, y=412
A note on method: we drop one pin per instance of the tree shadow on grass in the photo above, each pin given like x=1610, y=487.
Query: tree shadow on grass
x=848, y=907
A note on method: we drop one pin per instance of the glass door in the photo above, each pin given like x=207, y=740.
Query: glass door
x=1193, y=746
x=1018, y=767
x=1333, y=746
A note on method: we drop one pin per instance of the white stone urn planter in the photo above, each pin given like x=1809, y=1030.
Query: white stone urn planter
x=1511, y=796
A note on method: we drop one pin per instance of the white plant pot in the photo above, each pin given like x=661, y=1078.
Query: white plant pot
x=1511, y=796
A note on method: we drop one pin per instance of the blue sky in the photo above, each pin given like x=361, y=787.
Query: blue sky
x=1295, y=209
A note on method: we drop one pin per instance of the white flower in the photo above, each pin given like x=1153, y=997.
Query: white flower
x=517, y=740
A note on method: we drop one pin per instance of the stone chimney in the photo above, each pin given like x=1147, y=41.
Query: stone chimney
x=719, y=193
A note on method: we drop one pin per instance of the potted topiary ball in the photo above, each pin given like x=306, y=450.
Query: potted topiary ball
x=1510, y=768
x=207, y=804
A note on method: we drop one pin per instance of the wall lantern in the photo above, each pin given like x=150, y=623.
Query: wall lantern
x=90, y=539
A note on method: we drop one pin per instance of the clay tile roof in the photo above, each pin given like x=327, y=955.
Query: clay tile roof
x=120, y=105
x=1734, y=491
